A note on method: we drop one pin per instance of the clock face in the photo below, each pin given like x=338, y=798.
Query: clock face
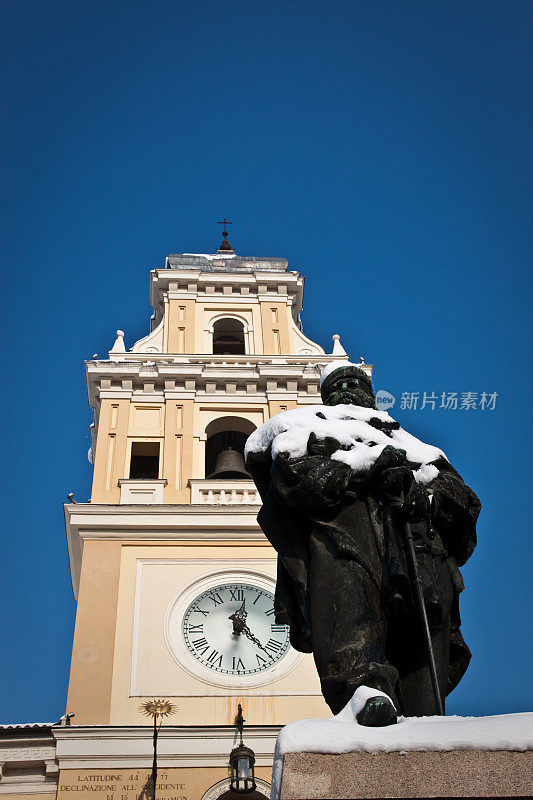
x=230, y=629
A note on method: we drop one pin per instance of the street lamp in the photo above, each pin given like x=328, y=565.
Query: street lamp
x=155, y=709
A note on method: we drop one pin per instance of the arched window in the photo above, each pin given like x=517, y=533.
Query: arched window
x=228, y=337
x=224, y=447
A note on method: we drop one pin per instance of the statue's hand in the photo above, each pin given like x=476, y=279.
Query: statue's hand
x=416, y=507
x=399, y=490
x=389, y=458
x=394, y=484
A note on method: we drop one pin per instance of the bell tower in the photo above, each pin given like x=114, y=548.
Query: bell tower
x=225, y=352
x=167, y=558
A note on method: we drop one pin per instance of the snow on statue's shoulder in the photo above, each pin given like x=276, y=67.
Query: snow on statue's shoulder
x=342, y=734
x=358, y=430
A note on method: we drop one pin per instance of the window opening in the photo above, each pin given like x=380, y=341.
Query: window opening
x=144, y=462
x=228, y=337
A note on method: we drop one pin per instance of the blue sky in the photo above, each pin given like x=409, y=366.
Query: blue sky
x=384, y=148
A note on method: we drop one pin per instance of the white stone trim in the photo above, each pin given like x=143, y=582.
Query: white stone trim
x=155, y=523
x=99, y=747
x=252, y=278
x=141, y=492
x=194, y=371
x=304, y=346
x=27, y=753
x=152, y=343
x=223, y=492
x=38, y=755
x=26, y=788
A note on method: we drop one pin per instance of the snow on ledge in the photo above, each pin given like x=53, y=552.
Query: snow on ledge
x=342, y=734
x=211, y=256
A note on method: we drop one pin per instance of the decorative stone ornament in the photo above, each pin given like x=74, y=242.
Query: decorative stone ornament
x=119, y=346
x=338, y=349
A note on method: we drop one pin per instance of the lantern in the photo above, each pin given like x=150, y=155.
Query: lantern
x=242, y=760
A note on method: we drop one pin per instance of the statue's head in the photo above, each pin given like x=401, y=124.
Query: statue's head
x=343, y=382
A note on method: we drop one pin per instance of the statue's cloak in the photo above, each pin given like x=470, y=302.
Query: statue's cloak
x=313, y=496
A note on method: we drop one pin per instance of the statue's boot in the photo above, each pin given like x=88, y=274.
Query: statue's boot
x=377, y=712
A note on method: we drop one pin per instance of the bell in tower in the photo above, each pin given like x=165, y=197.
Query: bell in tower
x=230, y=464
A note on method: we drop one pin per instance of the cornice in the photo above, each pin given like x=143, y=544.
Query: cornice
x=176, y=511
x=193, y=282
x=32, y=749
x=200, y=360
x=167, y=732
x=96, y=747
x=156, y=523
x=150, y=376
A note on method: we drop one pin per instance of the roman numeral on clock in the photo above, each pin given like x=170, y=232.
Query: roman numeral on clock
x=236, y=594
x=212, y=658
x=196, y=628
x=201, y=643
x=277, y=628
x=270, y=612
x=260, y=660
x=237, y=664
x=274, y=645
x=215, y=597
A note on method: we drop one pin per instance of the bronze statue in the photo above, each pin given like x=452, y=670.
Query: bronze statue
x=341, y=484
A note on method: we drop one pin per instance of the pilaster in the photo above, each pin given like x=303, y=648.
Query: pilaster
x=112, y=441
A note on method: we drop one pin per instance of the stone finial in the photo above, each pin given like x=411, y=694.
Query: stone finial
x=119, y=347
x=338, y=349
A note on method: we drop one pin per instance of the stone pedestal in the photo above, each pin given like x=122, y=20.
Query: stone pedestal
x=454, y=773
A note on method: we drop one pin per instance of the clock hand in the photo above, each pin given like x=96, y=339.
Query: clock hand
x=247, y=632
x=239, y=626
x=239, y=619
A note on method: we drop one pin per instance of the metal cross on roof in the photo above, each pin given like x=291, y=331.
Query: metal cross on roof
x=224, y=223
x=225, y=244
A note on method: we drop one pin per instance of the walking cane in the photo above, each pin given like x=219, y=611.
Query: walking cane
x=417, y=583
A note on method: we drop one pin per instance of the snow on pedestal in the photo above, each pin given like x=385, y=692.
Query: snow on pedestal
x=342, y=734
